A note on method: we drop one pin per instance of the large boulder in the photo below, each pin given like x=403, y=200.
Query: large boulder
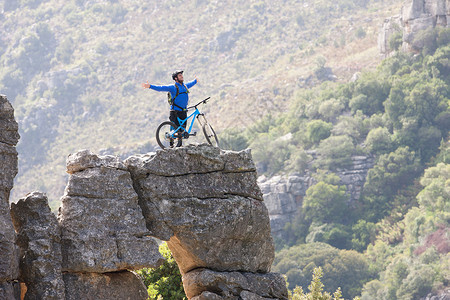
x=103, y=229
x=39, y=242
x=234, y=285
x=123, y=285
x=206, y=203
x=9, y=258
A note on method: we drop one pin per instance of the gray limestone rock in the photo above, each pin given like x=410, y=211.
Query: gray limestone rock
x=10, y=290
x=232, y=284
x=85, y=159
x=416, y=16
x=93, y=286
x=207, y=296
x=9, y=259
x=207, y=204
x=8, y=158
x=412, y=9
x=9, y=129
x=435, y=7
x=200, y=159
x=390, y=26
x=246, y=295
x=39, y=242
x=223, y=234
x=103, y=229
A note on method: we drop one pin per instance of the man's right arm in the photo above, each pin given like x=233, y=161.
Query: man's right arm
x=159, y=88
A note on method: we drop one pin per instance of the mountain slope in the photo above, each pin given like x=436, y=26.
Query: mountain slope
x=73, y=70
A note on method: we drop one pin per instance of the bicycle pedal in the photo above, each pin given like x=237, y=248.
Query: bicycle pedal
x=193, y=134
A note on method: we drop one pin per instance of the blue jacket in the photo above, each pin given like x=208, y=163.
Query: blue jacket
x=183, y=97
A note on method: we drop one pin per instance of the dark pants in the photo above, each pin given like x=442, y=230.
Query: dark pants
x=180, y=114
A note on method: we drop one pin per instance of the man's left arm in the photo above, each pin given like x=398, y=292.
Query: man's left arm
x=191, y=83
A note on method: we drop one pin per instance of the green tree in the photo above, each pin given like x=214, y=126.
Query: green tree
x=335, y=152
x=395, y=41
x=233, y=139
x=436, y=193
x=342, y=268
x=164, y=281
x=317, y=130
x=315, y=290
x=363, y=233
x=370, y=92
x=379, y=141
x=325, y=203
x=392, y=172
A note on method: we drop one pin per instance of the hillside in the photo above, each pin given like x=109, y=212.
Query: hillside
x=363, y=142
x=73, y=70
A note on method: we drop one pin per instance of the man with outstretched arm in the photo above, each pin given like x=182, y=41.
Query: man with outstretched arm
x=179, y=93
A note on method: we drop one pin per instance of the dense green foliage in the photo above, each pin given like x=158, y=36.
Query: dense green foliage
x=399, y=115
x=346, y=269
x=315, y=290
x=165, y=281
x=420, y=262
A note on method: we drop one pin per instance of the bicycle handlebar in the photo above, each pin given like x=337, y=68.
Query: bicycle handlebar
x=203, y=101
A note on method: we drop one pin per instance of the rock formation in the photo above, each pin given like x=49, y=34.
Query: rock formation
x=283, y=196
x=103, y=232
x=102, y=226
x=203, y=201
x=9, y=259
x=206, y=203
x=39, y=239
x=416, y=16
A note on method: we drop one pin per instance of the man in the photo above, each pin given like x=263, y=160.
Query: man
x=179, y=93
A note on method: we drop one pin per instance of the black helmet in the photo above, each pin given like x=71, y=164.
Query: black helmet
x=175, y=74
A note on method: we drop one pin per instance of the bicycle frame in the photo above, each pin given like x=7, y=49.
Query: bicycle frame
x=182, y=121
x=194, y=115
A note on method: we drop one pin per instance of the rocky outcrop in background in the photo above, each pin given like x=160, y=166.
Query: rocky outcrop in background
x=283, y=196
x=9, y=258
x=416, y=16
x=203, y=201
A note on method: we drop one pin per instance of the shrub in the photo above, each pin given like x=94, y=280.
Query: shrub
x=317, y=130
x=395, y=41
x=164, y=281
x=335, y=152
x=379, y=141
x=325, y=203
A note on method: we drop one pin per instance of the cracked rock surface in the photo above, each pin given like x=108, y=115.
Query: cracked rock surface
x=39, y=242
x=9, y=257
x=206, y=203
x=102, y=226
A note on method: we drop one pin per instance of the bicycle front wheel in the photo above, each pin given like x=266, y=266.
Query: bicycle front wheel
x=164, y=135
x=210, y=135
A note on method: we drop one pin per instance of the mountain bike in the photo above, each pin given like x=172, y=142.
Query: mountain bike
x=168, y=135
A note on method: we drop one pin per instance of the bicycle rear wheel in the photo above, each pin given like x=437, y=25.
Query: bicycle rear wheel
x=210, y=135
x=164, y=135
